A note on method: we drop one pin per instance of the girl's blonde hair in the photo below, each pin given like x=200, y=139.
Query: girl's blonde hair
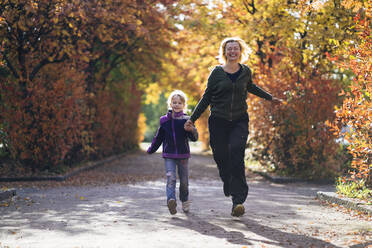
x=180, y=94
x=243, y=48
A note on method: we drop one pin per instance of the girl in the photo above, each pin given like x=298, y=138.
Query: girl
x=176, y=151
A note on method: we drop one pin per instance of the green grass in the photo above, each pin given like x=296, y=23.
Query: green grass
x=354, y=189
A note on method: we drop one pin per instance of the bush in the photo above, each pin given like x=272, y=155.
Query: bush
x=294, y=137
x=353, y=189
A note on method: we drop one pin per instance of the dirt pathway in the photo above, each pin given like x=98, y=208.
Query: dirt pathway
x=122, y=204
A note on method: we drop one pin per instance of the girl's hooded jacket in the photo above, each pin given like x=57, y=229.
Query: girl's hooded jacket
x=173, y=136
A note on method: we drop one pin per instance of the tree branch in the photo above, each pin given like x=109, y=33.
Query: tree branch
x=43, y=63
x=250, y=7
x=10, y=66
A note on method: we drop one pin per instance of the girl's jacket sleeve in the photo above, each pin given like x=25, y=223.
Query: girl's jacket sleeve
x=157, y=140
x=193, y=136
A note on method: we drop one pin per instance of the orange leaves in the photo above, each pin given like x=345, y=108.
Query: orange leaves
x=295, y=136
x=335, y=58
x=356, y=111
x=73, y=92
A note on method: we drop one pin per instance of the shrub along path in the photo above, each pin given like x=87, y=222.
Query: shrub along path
x=122, y=204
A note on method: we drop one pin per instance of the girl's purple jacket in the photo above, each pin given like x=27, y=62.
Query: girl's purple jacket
x=173, y=136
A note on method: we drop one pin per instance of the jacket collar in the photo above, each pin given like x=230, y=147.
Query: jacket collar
x=169, y=114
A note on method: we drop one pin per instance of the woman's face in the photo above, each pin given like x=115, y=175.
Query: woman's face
x=232, y=51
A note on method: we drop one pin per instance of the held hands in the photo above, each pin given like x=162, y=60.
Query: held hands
x=189, y=126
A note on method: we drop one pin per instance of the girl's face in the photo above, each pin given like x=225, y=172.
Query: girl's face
x=232, y=51
x=177, y=105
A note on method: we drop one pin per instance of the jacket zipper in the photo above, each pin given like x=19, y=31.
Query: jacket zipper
x=174, y=136
x=232, y=101
x=232, y=98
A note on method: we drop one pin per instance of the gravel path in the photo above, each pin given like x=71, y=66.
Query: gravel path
x=101, y=209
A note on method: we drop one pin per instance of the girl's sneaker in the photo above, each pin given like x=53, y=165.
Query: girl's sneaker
x=172, y=205
x=186, y=206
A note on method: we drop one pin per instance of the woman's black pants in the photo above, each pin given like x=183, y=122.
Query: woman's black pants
x=228, y=140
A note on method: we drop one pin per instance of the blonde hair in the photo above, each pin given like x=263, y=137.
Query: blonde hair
x=243, y=48
x=180, y=94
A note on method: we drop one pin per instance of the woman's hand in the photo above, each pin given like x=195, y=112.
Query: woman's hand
x=276, y=101
x=189, y=126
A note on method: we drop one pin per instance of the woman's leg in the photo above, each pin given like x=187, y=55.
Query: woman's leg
x=238, y=139
x=219, y=141
x=170, y=169
x=183, y=174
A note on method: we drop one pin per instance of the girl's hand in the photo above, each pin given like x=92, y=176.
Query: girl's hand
x=189, y=126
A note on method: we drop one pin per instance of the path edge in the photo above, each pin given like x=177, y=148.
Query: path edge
x=349, y=203
x=87, y=166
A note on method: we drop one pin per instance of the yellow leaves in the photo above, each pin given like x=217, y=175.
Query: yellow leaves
x=334, y=42
x=81, y=198
x=152, y=93
x=64, y=31
x=141, y=124
x=85, y=58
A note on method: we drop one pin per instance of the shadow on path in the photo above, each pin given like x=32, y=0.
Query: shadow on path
x=270, y=236
x=203, y=227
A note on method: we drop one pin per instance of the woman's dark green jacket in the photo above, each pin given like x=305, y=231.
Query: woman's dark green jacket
x=228, y=99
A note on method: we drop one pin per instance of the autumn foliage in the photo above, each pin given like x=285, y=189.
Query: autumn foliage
x=354, y=116
x=289, y=43
x=293, y=138
x=72, y=75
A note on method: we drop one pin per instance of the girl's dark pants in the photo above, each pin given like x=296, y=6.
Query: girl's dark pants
x=228, y=140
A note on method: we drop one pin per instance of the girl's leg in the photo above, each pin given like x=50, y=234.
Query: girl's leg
x=183, y=174
x=238, y=139
x=219, y=141
x=170, y=169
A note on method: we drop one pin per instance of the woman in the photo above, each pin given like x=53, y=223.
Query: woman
x=226, y=93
